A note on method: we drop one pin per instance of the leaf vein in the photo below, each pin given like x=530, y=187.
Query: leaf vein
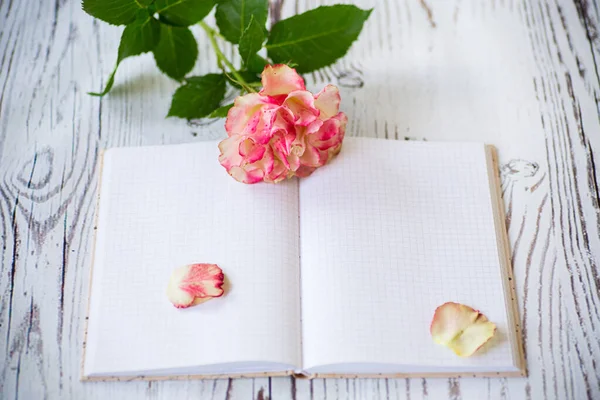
x=304, y=39
x=170, y=6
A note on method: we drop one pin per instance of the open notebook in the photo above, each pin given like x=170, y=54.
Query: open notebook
x=336, y=275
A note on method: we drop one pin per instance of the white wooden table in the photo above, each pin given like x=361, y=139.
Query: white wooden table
x=522, y=75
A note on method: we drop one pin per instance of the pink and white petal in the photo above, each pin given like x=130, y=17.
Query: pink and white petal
x=246, y=175
x=343, y=122
x=331, y=134
x=473, y=337
x=338, y=138
x=297, y=149
x=342, y=118
x=203, y=280
x=313, y=157
x=293, y=162
x=461, y=328
x=331, y=145
x=230, y=155
x=251, y=151
x=245, y=111
x=194, y=281
x=283, y=125
x=305, y=171
x=264, y=129
x=302, y=106
x=328, y=101
x=313, y=127
x=280, y=79
x=299, y=143
x=334, y=151
x=449, y=320
x=280, y=172
x=179, y=298
x=330, y=129
x=285, y=116
x=267, y=163
x=281, y=149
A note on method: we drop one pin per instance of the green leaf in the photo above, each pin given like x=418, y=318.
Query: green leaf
x=221, y=112
x=138, y=37
x=198, y=97
x=256, y=64
x=176, y=51
x=184, y=12
x=233, y=16
x=251, y=41
x=316, y=38
x=115, y=12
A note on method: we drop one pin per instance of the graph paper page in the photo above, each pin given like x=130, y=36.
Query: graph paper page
x=389, y=231
x=165, y=207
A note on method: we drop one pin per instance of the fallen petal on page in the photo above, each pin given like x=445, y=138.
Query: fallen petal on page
x=461, y=328
x=191, y=284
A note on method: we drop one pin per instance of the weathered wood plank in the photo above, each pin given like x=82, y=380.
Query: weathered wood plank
x=522, y=75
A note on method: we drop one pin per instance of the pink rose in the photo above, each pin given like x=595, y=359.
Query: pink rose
x=283, y=130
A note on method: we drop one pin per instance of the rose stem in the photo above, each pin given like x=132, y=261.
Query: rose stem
x=222, y=59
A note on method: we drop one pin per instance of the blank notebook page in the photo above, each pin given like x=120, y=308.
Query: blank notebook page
x=165, y=207
x=389, y=231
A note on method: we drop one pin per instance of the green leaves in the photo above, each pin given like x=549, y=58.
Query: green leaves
x=221, y=112
x=184, y=12
x=115, y=12
x=200, y=96
x=256, y=64
x=233, y=16
x=176, y=51
x=251, y=40
x=138, y=37
x=316, y=38
x=307, y=41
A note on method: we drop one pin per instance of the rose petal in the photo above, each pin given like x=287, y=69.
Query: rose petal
x=297, y=148
x=250, y=151
x=278, y=173
x=473, y=337
x=256, y=172
x=246, y=160
x=194, y=281
x=313, y=127
x=328, y=101
x=329, y=130
x=248, y=113
x=230, y=155
x=460, y=328
x=266, y=164
x=249, y=176
x=281, y=149
x=283, y=125
x=301, y=104
x=304, y=171
x=313, y=157
x=280, y=80
x=449, y=320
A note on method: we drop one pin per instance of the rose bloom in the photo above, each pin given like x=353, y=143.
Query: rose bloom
x=282, y=131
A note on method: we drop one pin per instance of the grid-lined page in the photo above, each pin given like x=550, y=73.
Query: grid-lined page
x=164, y=207
x=389, y=231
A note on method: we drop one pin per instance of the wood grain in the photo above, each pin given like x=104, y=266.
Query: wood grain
x=522, y=75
